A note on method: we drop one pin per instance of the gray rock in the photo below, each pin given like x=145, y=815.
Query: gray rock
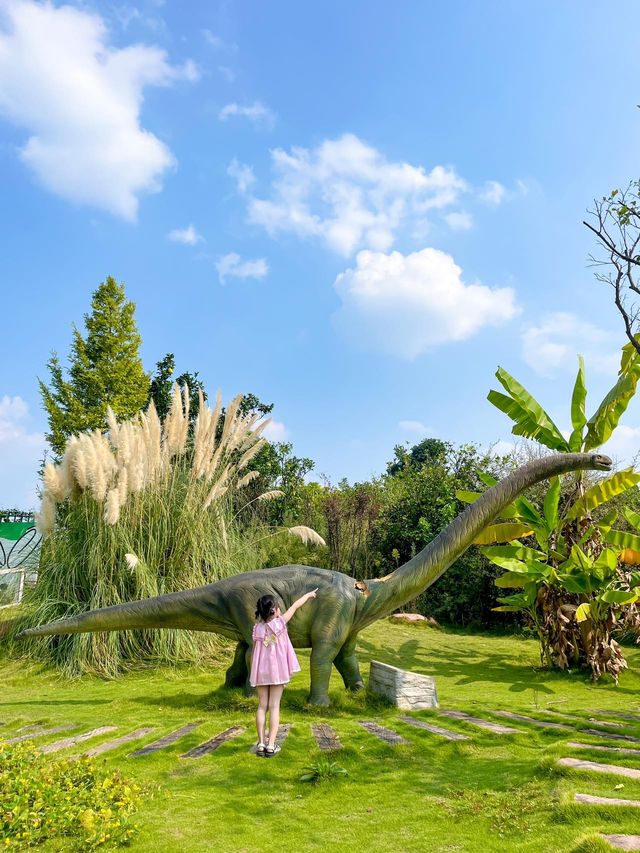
x=406, y=690
x=596, y=767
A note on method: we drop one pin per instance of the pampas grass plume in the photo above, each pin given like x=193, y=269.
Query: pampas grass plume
x=307, y=535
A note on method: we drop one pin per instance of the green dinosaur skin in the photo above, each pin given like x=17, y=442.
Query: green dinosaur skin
x=330, y=623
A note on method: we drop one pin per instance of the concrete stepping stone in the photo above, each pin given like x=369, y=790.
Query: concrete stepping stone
x=590, y=800
x=72, y=741
x=496, y=728
x=165, y=741
x=595, y=767
x=114, y=744
x=610, y=735
x=211, y=745
x=41, y=732
x=543, y=724
x=435, y=730
x=283, y=733
x=581, y=720
x=325, y=736
x=623, y=842
x=635, y=718
x=626, y=750
x=388, y=736
x=608, y=723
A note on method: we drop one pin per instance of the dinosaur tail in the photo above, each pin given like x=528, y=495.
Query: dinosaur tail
x=195, y=609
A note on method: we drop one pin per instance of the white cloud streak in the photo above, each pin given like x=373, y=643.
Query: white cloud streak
x=257, y=112
x=242, y=174
x=552, y=347
x=234, y=266
x=20, y=453
x=408, y=304
x=188, y=236
x=348, y=195
x=79, y=100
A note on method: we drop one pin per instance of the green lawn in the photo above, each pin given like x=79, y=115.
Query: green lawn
x=490, y=793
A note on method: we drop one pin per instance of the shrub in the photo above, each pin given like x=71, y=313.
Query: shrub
x=43, y=800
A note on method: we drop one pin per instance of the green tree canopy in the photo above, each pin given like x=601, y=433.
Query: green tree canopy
x=105, y=369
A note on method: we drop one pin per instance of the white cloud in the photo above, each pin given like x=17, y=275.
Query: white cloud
x=408, y=304
x=242, y=174
x=212, y=39
x=459, y=220
x=189, y=236
x=624, y=445
x=416, y=428
x=348, y=195
x=553, y=346
x=492, y=193
x=233, y=266
x=21, y=451
x=256, y=112
x=79, y=99
x=276, y=431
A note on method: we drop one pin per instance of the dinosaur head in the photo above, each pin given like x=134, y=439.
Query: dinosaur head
x=601, y=462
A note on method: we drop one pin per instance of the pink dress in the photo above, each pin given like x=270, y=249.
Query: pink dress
x=273, y=659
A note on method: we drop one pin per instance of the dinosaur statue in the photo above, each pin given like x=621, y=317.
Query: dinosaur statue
x=329, y=624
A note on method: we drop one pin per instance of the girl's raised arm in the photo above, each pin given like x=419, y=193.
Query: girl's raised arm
x=298, y=604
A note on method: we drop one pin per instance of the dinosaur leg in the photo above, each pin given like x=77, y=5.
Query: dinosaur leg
x=238, y=673
x=346, y=663
x=322, y=657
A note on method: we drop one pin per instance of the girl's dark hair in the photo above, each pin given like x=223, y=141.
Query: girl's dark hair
x=266, y=608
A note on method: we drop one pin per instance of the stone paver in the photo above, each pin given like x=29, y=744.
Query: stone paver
x=496, y=728
x=624, y=715
x=543, y=724
x=609, y=735
x=407, y=690
x=595, y=767
x=211, y=745
x=283, y=733
x=388, y=736
x=580, y=721
x=625, y=750
x=165, y=741
x=114, y=744
x=41, y=732
x=623, y=842
x=325, y=736
x=609, y=723
x=435, y=730
x=590, y=800
x=72, y=741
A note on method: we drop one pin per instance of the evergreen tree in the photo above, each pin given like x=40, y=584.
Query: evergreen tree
x=105, y=369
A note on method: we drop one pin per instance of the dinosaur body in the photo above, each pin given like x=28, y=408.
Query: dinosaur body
x=330, y=623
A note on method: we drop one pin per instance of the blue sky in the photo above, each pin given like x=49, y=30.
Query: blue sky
x=356, y=211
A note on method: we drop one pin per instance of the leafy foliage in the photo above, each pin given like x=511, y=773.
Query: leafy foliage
x=322, y=770
x=42, y=800
x=571, y=586
x=105, y=369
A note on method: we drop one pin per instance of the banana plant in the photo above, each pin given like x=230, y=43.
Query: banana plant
x=565, y=564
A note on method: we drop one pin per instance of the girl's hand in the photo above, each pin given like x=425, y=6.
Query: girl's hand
x=313, y=592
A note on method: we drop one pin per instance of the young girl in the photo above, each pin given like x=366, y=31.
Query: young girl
x=272, y=663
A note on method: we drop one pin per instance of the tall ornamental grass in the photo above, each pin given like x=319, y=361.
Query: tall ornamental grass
x=146, y=508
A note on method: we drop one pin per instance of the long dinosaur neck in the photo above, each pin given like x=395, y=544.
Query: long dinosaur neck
x=412, y=578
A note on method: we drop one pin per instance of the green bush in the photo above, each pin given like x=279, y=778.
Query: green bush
x=75, y=801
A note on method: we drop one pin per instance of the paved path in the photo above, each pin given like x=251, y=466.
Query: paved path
x=326, y=738
x=114, y=744
x=496, y=728
x=41, y=732
x=72, y=741
x=596, y=767
x=435, y=730
x=387, y=735
x=166, y=741
x=214, y=743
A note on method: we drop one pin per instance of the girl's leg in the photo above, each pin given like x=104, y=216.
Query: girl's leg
x=261, y=713
x=275, y=694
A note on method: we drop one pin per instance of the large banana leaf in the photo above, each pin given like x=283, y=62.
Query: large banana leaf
x=632, y=517
x=605, y=420
x=530, y=418
x=511, y=580
x=578, y=414
x=518, y=552
x=551, y=503
x=506, y=532
x=621, y=539
x=602, y=492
